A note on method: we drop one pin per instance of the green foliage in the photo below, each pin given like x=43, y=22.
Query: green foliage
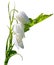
x=11, y=53
x=32, y=22
x=26, y=27
x=41, y=17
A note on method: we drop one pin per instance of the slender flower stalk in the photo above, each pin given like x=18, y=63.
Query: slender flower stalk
x=9, y=45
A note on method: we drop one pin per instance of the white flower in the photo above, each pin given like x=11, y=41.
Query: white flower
x=22, y=17
x=19, y=28
x=19, y=34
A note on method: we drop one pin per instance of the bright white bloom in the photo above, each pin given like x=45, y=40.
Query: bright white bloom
x=22, y=17
x=19, y=34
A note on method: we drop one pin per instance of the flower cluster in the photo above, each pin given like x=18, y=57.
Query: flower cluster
x=22, y=19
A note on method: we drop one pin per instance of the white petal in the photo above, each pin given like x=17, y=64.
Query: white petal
x=19, y=34
x=18, y=28
x=18, y=41
x=22, y=17
x=18, y=37
x=21, y=44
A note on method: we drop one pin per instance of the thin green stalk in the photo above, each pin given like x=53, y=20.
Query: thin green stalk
x=9, y=45
x=9, y=40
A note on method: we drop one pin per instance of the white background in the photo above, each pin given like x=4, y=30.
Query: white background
x=39, y=40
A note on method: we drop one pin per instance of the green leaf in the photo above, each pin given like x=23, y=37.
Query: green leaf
x=32, y=22
x=9, y=54
x=12, y=53
x=41, y=17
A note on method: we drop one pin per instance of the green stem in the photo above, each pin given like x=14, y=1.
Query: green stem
x=10, y=45
x=6, y=61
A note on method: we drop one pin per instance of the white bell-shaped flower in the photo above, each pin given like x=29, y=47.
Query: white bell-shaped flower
x=19, y=34
x=22, y=17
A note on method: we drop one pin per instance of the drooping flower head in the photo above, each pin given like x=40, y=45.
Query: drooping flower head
x=22, y=17
x=19, y=34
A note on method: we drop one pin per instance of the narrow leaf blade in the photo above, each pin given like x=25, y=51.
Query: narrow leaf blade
x=32, y=22
x=41, y=17
x=13, y=52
